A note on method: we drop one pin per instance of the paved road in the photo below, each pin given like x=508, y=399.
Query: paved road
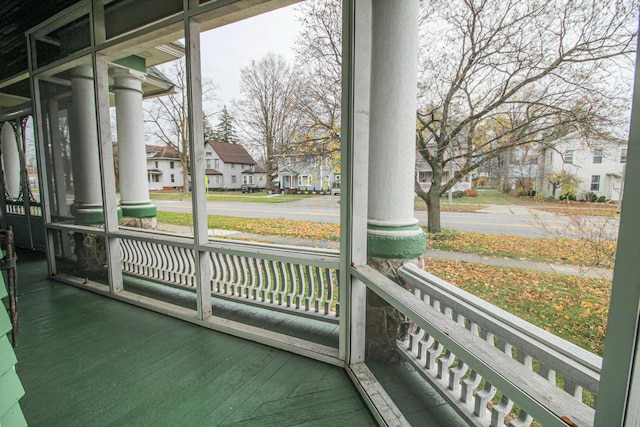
x=494, y=219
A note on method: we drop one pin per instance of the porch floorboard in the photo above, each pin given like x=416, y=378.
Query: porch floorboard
x=85, y=359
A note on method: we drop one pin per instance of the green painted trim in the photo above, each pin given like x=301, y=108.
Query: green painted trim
x=5, y=322
x=396, y=246
x=11, y=390
x=142, y=210
x=3, y=287
x=130, y=89
x=7, y=356
x=134, y=62
x=392, y=228
x=91, y=215
x=13, y=417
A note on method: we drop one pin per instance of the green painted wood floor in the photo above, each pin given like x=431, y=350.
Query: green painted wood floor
x=86, y=360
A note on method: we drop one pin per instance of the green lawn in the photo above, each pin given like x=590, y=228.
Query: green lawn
x=556, y=251
x=574, y=308
x=495, y=197
x=232, y=196
x=473, y=204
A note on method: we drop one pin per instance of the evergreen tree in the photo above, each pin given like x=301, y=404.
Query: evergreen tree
x=225, y=131
x=209, y=132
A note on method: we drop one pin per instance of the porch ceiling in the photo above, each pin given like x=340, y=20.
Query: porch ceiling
x=16, y=17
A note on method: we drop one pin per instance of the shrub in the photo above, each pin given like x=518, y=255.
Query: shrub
x=590, y=197
x=457, y=194
x=481, y=181
x=470, y=192
x=568, y=196
x=601, y=199
x=522, y=192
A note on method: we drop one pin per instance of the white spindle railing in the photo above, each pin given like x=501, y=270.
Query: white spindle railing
x=282, y=284
x=15, y=208
x=158, y=262
x=544, y=355
x=304, y=281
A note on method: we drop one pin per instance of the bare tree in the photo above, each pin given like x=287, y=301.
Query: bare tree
x=319, y=59
x=268, y=109
x=167, y=116
x=496, y=75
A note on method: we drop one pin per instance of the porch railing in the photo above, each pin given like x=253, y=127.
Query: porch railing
x=491, y=366
x=299, y=280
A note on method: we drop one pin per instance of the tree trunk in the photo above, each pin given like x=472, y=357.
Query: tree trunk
x=185, y=180
x=433, y=210
x=432, y=199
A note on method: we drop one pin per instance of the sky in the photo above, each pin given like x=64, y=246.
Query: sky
x=226, y=50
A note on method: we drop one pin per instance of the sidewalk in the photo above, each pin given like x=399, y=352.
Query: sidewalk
x=571, y=270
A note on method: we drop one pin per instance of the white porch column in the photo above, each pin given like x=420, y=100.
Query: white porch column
x=392, y=228
x=87, y=205
x=133, y=180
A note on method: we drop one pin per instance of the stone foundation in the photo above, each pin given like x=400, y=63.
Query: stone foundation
x=91, y=255
x=144, y=223
x=385, y=325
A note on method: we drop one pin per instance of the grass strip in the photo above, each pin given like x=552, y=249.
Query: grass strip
x=574, y=308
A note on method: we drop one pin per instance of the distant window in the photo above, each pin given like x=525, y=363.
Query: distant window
x=568, y=156
x=208, y=162
x=173, y=178
x=247, y=179
x=156, y=164
x=233, y=165
x=208, y=154
x=597, y=155
x=595, y=182
x=172, y=165
x=216, y=163
x=304, y=180
x=623, y=155
x=156, y=178
x=217, y=179
x=233, y=179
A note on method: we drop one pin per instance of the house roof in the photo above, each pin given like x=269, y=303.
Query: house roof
x=259, y=169
x=231, y=153
x=212, y=172
x=287, y=171
x=160, y=152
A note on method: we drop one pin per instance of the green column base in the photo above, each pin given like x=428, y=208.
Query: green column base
x=407, y=242
x=90, y=214
x=139, y=210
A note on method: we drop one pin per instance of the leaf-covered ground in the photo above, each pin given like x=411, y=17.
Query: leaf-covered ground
x=267, y=226
x=277, y=227
x=557, y=251
x=574, y=308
